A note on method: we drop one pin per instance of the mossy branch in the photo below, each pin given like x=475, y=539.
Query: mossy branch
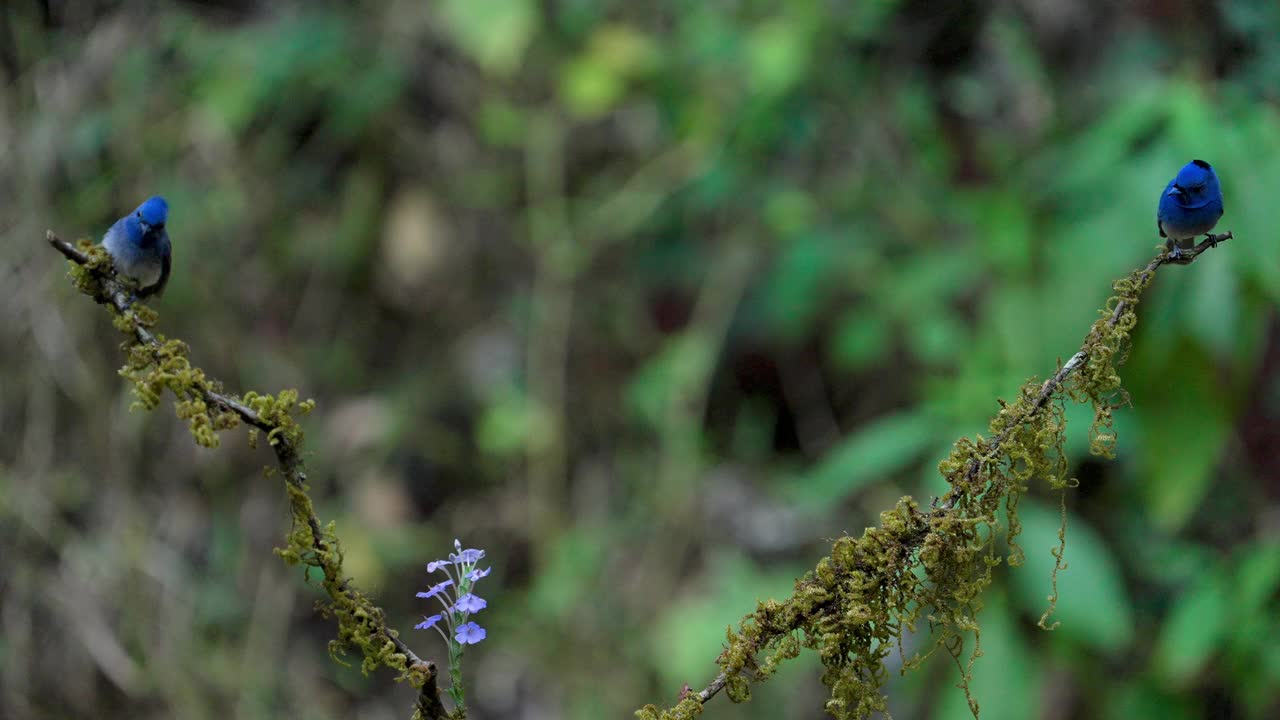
x=156, y=363
x=855, y=605
x=853, y=608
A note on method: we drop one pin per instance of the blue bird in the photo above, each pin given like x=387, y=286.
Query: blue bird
x=140, y=246
x=1189, y=206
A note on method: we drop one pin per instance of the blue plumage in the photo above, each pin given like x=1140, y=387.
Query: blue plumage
x=1190, y=204
x=140, y=246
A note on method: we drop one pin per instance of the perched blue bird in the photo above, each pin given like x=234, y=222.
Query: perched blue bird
x=1190, y=205
x=140, y=246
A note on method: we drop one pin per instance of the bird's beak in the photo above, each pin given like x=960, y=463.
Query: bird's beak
x=1174, y=191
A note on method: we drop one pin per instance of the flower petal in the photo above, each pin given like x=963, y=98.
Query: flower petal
x=470, y=634
x=427, y=622
x=435, y=589
x=470, y=603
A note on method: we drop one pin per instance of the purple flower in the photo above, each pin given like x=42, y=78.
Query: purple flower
x=470, y=634
x=427, y=621
x=435, y=589
x=459, y=603
x=462, y=557
x=470, y=555
x=470, y=603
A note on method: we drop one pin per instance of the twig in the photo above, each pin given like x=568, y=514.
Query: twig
x=1052, y=384
x=1048, y=390
x=716, y=686
x=121, y=296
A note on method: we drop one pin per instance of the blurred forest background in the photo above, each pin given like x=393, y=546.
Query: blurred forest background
x=651, y=301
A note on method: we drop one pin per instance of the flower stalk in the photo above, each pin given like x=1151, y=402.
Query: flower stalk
x=458, y=603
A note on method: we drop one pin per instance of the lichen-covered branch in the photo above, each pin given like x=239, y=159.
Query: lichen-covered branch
x=931, y=566
x=156, y=363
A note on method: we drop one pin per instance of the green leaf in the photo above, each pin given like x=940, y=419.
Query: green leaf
x=512, y=423
x=1257, y=577
x=648, y=393
x=861, y=338
x=1003, y=223
x=1142, y=701
x=495, y=32
x=789, y=211
x=795, y=288
x=935, y=336
x=778, y=54
x=871, y=454
x=918, y=285
x=1214, y=313
x=1093, y=607
x=558, y=588
x=1195, y=628
x=590, y=88
x=1183, y=426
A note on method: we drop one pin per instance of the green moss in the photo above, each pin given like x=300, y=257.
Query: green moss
x=854, y=607
x=1107, y=346
x=86, y=278
x=687, y=709
x=154, y=365
x=278, y=411
x=153, y=368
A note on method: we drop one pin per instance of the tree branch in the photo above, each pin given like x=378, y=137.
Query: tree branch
x=121, y=296
x=994, y=447
x=1053, y=384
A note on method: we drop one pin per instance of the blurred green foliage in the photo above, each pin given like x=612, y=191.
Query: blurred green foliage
x=651, y=301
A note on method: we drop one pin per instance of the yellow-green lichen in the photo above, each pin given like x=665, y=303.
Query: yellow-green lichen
x=361, y=623
x=155, y=364
x=856, y=604
x=153, y=368
x=86, y=277
x=278, y=411
x=687, y=709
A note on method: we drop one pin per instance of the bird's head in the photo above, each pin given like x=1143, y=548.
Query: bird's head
x=1195, y=181
x=152, y=214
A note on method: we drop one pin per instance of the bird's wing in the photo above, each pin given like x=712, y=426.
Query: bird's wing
x=113, y=234
x=166, y=261
x=1160, y=206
